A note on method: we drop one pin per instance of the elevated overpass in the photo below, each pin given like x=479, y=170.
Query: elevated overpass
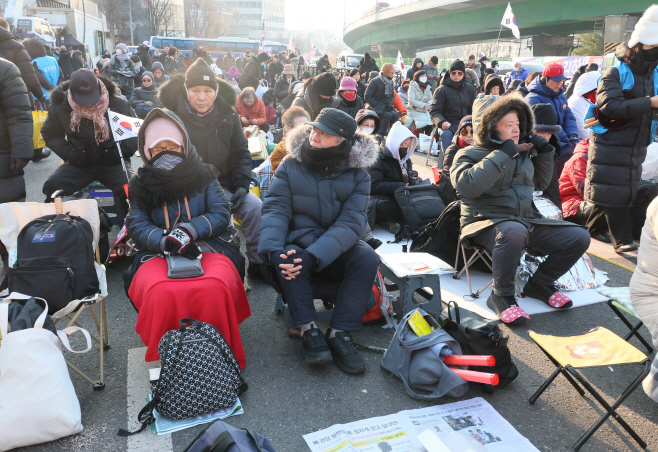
x=430, y=24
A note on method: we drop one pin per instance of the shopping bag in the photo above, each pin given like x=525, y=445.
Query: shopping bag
x=38, y=118
x=263, y=86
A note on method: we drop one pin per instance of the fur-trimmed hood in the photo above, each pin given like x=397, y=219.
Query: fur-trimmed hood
x=58, y=95
x=362, y=155
x=170, y=92
x=489, y=117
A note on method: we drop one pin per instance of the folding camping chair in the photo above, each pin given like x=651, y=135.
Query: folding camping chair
x=15, y=215
x=619, y=300
x=600, y=347
x=480, y=252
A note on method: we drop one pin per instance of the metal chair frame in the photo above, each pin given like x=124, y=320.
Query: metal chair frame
x=633, y=330
x=570, y=373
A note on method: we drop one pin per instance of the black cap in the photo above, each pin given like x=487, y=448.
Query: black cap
x=545, y=119
x=306, y=74
x=324, y=84
x=85, y=88
x=335, y=122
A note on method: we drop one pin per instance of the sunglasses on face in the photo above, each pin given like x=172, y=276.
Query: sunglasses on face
x=456, y=73
x=465, y=132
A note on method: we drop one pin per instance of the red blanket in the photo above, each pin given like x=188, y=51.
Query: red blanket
x=217, y=298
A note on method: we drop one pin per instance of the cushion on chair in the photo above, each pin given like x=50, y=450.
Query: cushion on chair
x=621, y=295
x=600, y=347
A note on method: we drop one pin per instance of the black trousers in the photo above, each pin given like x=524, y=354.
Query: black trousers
x=353, y=273
x=388, y=119
x=552, y=192
x=71, y=178
x=599, y=220
x=387, y=210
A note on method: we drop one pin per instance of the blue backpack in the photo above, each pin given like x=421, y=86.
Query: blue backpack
x=221, y=437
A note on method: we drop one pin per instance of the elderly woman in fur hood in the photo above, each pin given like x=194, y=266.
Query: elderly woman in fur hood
x=205, y=105
x=495, y=179
x=313, y=219
x=78, y=131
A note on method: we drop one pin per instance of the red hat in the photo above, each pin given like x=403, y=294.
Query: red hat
x=554, y=71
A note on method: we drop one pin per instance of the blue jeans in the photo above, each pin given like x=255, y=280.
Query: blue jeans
x=446, y=138
x=352, y=273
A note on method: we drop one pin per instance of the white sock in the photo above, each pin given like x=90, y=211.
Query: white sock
x=333, y=332
x=307, y=326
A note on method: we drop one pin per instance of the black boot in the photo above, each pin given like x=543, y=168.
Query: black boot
x=507, y=309
x=548, y=293
x=40, y=154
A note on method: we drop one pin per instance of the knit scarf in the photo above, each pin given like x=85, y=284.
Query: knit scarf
x=152, y=187
x=388, y=85
x=320, y=160
x=95, y=113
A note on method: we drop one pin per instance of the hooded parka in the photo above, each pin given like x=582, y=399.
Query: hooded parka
x=322, y=212
x=15, y=52
x=579, y=105
x=492, y=186
x=303, y=99
x=615, y=158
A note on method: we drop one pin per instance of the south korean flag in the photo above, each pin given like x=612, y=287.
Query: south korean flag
x=124, y=127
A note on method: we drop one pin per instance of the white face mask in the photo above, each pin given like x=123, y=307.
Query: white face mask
x=119, y=52
x=422, y=79
x=138, y=64
x=367, y=130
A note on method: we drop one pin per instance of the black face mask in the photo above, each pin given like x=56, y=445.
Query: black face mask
x=650, y=55
x=403, y=152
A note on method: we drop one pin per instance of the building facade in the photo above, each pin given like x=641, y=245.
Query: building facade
x=248, y=16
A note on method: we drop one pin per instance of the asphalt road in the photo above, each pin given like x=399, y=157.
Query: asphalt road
x=287, y=398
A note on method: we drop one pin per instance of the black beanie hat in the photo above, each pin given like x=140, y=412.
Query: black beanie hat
x=458, y=65
x=135, y=58
x=434, y=60
x=324, y=84
x=545, y=119
x=200, y=74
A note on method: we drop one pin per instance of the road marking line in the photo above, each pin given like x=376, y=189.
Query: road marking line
x=138, y=388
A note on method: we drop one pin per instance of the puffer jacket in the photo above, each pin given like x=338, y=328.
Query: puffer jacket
x=251, y=74
x=257, y=110
x=376, y=98
x=138, y=99
x=223, y=142
x=15, y=130
x=209, y=211
x=282, y=87
x=413, y=69
x=418, y=98
x=541, y=94
x=175, y=66
x=123, y=75
x=367, y=65
x=616, y=157
x=77, y=61
x=572, y=180
x=579, y=104
x=324, y=213
x=15, y=52
x=451, y=102
x=303, y=99
x=492, y=186
x=386, y=174
x=79, y=147
x=349, y=107
x=144, y=55
x=521, y=75
x=644, y=296
x=323, y=65
x=65, y=64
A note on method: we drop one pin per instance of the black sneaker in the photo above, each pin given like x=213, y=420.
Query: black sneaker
x=344, y=354
x=605, y=238
x=40, y=154
x=507, y=309
x=374, y=243
x=549, y=294
x=316, y=350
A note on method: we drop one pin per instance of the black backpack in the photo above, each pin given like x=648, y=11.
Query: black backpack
x=482, y=338
x=441, y=236
x=420, y=205
x=55, y=261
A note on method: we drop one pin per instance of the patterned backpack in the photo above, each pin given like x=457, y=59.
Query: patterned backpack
x=199, y=375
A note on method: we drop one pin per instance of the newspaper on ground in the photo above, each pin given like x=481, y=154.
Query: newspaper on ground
x=398, y=432
x=406, y=264
x=164, y=426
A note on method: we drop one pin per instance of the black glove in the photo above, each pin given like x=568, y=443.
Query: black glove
x=17, y=165
x=238, y=198
x=540, y=143
x=509, y=147
x=178, y=240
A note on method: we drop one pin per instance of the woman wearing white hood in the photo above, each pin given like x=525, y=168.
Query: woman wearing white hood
x=392, y=170
x=584, y=95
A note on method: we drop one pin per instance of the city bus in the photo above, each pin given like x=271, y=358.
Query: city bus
x=216, y=47
x=34, y=27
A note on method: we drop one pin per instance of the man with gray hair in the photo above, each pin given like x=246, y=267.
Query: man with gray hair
x=380, y=95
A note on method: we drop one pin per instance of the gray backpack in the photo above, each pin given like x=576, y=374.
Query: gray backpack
x=221, y=437
x=410, y=358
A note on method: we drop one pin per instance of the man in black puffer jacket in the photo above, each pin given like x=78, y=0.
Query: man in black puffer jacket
x=16, y=146
x=380, y=96
x=205, y=105
x=144, y=55
x=452, y=100
x=253, y=71
x=366, y=66
x=313, y=219
x=16, y=53
x=82, y=136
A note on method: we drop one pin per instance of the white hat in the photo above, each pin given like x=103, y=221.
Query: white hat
x=646, y=29
x=146, y=43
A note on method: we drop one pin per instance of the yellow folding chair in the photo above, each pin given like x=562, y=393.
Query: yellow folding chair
x=600, y=347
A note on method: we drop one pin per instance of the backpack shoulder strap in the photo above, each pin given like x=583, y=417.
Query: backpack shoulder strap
x=221, y=443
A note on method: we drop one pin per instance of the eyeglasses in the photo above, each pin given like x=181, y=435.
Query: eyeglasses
x=456, y=73
x=157, y=150
x=146, y=80
x=465, y=132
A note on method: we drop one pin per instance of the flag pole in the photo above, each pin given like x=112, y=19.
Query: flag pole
x=498, y=39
